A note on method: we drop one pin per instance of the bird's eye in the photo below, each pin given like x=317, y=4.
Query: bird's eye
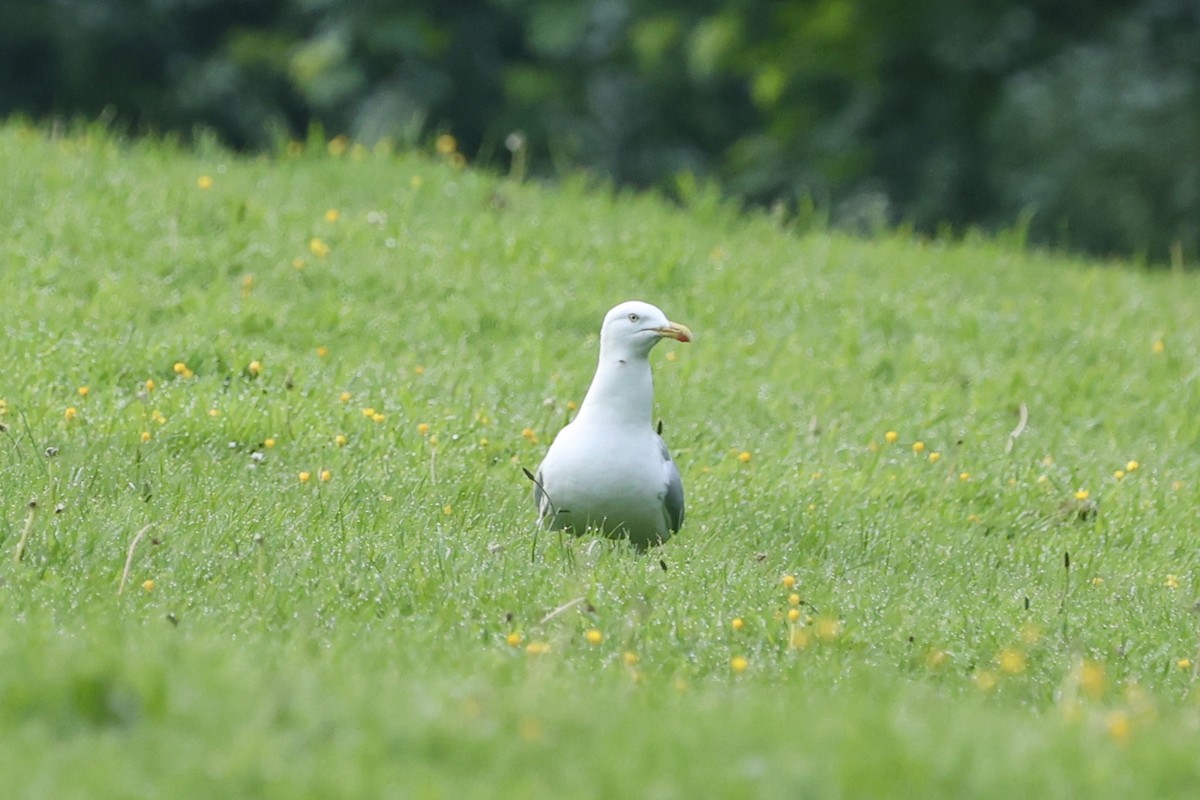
x=634, y=317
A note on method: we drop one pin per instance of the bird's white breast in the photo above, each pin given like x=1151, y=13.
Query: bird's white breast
x=610, y=478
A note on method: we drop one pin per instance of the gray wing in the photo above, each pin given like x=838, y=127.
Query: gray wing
x=673, y=499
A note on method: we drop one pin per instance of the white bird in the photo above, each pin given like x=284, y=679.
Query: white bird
x=608, y=470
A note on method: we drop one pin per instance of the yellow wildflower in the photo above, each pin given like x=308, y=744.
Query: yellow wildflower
x=337, y=145
x=514, y=639
x=737, y=624
x=630, y=657
x=829, y=628
x=934, y=456
x=918, y=447
x=423, y=429
x=1012, y=661
x=318, y=247
x=83, y=391
x=268, y=443
x=345, y=397
x=537, y=648
x=150, y=384
x=890, y=437
x=446, y=144
x=322, y=351
x=326, y=476
x=145, y=436
x=71, y=413
x=1092, y=679
x=254, y=368
x=985, y=680
x=744, y=456
x=793, y=599
x=332, y=215
x=1132, y=466
x=1081, y=494
x=1118, y=727
x=204, y=182
x=304, y=477
x=1160, y=347
x=594, y=636
x=738, y=664
x=788, y=581
x=340, y=440
x=1172, y=582
x=148, y=585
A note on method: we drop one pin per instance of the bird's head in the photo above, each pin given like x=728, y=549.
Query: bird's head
x=634, y=327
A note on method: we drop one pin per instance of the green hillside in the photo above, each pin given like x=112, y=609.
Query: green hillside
x=264, y=529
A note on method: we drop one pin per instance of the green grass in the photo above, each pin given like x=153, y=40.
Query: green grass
x=350, y=636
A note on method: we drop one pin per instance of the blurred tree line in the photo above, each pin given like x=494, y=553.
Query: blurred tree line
x=1080, y=118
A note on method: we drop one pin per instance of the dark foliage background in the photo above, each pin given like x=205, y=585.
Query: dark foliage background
x=1081, y=119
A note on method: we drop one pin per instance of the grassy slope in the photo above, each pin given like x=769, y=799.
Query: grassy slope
x=349, y=636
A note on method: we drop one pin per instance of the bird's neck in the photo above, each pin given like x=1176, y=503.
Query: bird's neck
x=622, y=392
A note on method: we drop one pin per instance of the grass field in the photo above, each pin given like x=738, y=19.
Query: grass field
x=273, y=415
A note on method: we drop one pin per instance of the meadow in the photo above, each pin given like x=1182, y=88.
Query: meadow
x=264, y=530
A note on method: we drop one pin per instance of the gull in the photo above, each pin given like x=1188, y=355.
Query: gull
x=608, y=470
